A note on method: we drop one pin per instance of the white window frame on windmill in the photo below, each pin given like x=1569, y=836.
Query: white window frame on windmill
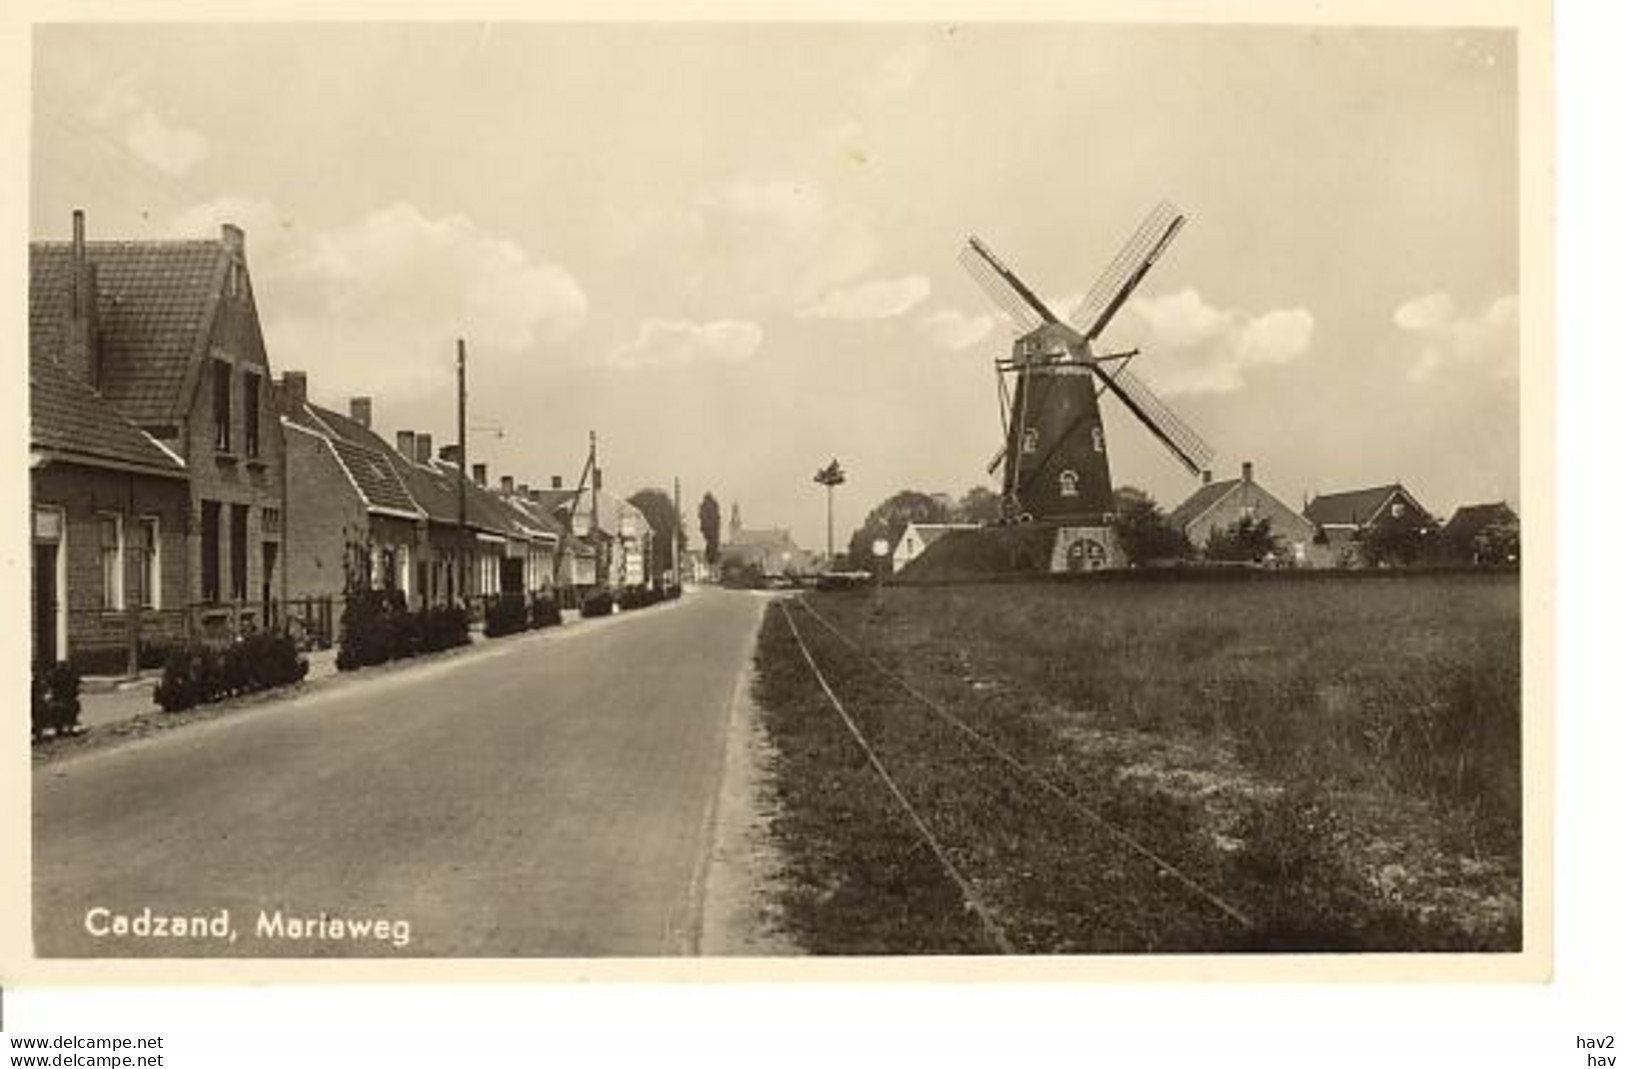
x=1069, y=483
x=1098, y=439
x=1029, y=439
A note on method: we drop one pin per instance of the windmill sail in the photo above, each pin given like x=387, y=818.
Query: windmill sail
x=1117, y=282
x=1025, y=310
x=1159, y=419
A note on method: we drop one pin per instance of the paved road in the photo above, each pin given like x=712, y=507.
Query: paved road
x=545, y=795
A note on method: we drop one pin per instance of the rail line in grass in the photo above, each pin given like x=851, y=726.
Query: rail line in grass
x=1030, y=780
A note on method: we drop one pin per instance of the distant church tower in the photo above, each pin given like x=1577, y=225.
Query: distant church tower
x=735, y=525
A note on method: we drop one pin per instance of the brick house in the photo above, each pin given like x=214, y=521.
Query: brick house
x=109, y=510
x=916, y=537
x=1216, y=506
x=351, y=518
x=167, y=334
x=1345, y=519
x=1482, y=534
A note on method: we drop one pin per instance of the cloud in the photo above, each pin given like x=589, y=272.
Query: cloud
x=899, y=71
x=778, y=243
x=376, y=305
x=881, y=299
x=165, y=145
x=672, y=342
x=1487, y=340
x=953, y=329
x=1200, y=348
x=270, y=235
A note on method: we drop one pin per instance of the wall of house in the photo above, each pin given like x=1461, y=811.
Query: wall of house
x=1250, y=500
x=322, y=517
x=231, y=476
x=96, y=636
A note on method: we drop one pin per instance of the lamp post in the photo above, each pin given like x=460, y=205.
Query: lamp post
x=829, y=478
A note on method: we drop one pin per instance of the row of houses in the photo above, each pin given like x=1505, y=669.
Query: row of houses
x=1332, y=530
x=180, y=490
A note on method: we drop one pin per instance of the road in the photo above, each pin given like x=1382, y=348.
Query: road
x=543, y=795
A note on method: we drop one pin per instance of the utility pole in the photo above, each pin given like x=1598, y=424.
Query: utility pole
x=598, y=567
x=677, y=532
x=462, y=471
x=829, y=478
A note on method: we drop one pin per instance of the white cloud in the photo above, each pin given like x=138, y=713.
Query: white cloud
x=1200, y=348
x=669, y=342
x=1487, y=340
x=778, y=243
x=880, y=299
x=376, y=305
x=174, y=150
x=953, y=329
x=270, y=235
x=899, y=71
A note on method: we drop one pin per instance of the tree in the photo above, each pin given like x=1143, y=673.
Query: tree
x=889, y=520
x=656, y=506
x=1396, y=544
x=1142, y=529
x=979, y=505
x=1247, y=540
x=711, y=527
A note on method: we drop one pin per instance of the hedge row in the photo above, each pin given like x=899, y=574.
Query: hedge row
x=54, y=700
x=377, y=627
x=509, y=614
x=197, y=674
x=598, y=602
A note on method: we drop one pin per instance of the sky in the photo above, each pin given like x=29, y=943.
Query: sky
x=730, y=249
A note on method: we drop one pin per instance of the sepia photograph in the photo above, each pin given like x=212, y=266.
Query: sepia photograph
x=935, y=490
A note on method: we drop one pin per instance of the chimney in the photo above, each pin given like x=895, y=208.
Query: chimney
x=82, y=351
x=479, y=474
x=231, y=236
x=534, y=495
x=448, y=453
x=361, y=411
x=507, y=484
x=1207, y=476
x=295, y=390
x=1246, y=471
x=425, y=445
x=524, y=490
x=558, y=482
x=406, y=444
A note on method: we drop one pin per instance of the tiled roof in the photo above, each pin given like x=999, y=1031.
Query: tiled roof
x=1469, y=520
x=775, y=536
x=69, y=419
x=365, y=457
x=1356, y=507
x=155, y=301
x=1204, y=498
x=930, y=532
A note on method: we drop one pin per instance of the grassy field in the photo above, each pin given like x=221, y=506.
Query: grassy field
x=1338, y=759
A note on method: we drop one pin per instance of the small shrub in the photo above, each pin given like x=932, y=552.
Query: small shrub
x=636, y=597
x=544, y=611
x=54, y=704
x=200, y=674
x=598, y=602
x=506, y=615
x=442, y=627
x=375, y=627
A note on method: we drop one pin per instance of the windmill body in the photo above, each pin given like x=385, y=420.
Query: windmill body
x=1055, y=465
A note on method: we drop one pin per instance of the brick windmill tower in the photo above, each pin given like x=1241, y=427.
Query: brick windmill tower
x=1054, y=459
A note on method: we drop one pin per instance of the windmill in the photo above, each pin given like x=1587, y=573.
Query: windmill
x=1054, y=452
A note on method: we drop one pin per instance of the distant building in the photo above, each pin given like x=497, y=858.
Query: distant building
x=1219, y=506
x=917, y=536
x=770, y=549
x=1343, y=520
x=1482, y=534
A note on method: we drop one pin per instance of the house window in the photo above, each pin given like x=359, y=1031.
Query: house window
x=251, y=415
x=234, y=280
x=222, y=406
x=210, y=538
x=403, y=566
x=239, y=552
x=270, y=520
x=110, y=530
x=147, y=565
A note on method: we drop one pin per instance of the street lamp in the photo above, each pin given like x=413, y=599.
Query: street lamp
x=829, y=478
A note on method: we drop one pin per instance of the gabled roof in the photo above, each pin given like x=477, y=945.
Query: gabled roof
x=1205, y=498
x=70, y=421
x=1469, y=520
x=930, y=532
x=155, y=303
x=364, y=457
x=772, y=536
x=1355, y=508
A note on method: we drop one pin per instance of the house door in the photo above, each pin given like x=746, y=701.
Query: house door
x=46, y=604
x=268, y=553
x=512, y=575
